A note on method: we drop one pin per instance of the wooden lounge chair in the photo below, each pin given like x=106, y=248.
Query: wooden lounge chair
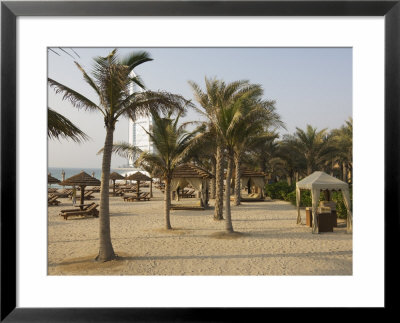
x=76, y=209
x=87, y=196
x=63, y=193
x=52, y=190
x=119, y=192
x=52, y=200
x=189, y=193
x=132, y=198
x=91, y=210
x=145, y=197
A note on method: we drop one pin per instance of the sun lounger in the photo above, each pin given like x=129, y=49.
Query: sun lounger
x=63, y=193
x=145, y=197
x=188, y=193
x=90, y=210
x=52, y=200
x=75, y=209
x=87, y=196
x=133, y=198
x=119, y=192
x=52, y=190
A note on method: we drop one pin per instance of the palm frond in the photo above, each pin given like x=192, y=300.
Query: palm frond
x=75, y=98
x=61, y=127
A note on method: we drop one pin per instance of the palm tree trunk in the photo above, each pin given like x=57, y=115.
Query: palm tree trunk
x=342, y=171
x=345, y=174
x=106, y=251
x=167, y=203
x=219, y=198
x=309, y=169
x=228, y=223
x=237, y=179
x=213, y=187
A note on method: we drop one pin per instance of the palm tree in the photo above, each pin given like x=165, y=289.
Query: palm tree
x=210, y=102
x=224, y=106
x=59, y=126
x=111, y=81
x=257, y=117
x=343, y=141
x=203, y=153
x=313, y=145
x=131, y=152
x=172, y=145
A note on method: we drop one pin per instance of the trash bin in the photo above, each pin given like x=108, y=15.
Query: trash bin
x=325, y=223
x=309, y=216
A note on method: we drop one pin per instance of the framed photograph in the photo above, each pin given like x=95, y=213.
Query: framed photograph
x=33, y=288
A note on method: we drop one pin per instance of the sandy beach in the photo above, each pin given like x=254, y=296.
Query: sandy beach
x=270, y=242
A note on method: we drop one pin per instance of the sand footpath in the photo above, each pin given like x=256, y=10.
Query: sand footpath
x=269, y=243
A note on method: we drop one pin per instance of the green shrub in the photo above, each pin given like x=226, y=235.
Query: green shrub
x=341, y=210
x=305, y=198
x=278, y=190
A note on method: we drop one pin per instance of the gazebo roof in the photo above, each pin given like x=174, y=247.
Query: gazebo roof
x=190, y=171
x=116, y=175
x=52, y=180
x=138, y=176
x=322, y=181
x=245, y=172
x=81, y=179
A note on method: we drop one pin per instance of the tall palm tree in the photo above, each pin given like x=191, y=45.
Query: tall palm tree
x=172, y=145
x=257, y=116
x=111, y=79
x=210, y=101
x=59, y=126
x=224, y=106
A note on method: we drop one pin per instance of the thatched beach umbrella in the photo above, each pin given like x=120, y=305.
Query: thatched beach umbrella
x=114, y=176
x=52, y=180
x=138, y=177
x=82, y=180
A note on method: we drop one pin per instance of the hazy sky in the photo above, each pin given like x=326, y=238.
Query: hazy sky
x=310, y=86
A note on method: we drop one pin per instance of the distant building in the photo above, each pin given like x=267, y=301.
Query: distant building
x=137, y=135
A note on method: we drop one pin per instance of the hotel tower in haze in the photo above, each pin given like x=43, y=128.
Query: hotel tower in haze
x=137, y=134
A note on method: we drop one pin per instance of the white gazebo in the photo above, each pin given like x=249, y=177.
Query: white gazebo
x=197, y=177
x=317, y=182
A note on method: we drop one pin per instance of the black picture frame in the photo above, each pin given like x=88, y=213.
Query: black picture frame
x=11, y=10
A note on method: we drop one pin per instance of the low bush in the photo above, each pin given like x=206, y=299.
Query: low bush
x=278, y=190
x=341, y=210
